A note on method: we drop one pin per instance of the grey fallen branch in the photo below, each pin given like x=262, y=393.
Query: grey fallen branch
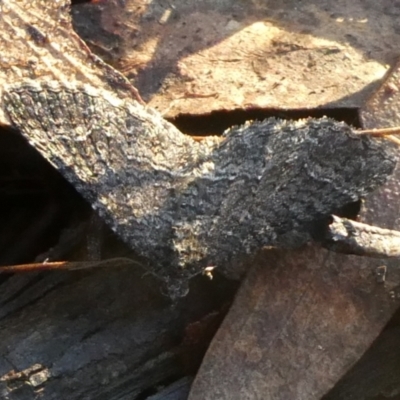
x=352, y=237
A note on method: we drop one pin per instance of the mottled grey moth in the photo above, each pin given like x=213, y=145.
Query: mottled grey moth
x=186, y=205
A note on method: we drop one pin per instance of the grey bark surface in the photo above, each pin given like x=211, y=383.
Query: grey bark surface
x=184, y=205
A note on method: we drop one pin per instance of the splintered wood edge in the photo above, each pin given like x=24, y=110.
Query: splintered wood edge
x=353, y=237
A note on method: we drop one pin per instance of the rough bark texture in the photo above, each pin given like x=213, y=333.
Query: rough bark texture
x=185, y=205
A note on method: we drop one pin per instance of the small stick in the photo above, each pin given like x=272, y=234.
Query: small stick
x=380, y=131
x=199, y=138
x=351, y=237
x=67, y=265
x=386, y=133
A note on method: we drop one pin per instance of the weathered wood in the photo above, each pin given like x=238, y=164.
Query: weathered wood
x=41, y=43
x=104, y=334
x=200, y=56
x=383, y=106
x=298, y=323
x=376, y=375
x=352, y=237
x=97, y=334
x=301, y=320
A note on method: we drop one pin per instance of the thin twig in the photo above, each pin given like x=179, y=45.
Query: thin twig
x=380, y=132
x=386, y=133
x=351, y=237
x=68, y=265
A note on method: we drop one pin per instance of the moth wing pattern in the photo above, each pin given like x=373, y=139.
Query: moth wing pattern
x=122, y=158
x=186, y=205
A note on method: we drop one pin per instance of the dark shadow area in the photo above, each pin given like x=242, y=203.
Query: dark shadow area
x=376, y=375
x=217, y=122
x=35, y=201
